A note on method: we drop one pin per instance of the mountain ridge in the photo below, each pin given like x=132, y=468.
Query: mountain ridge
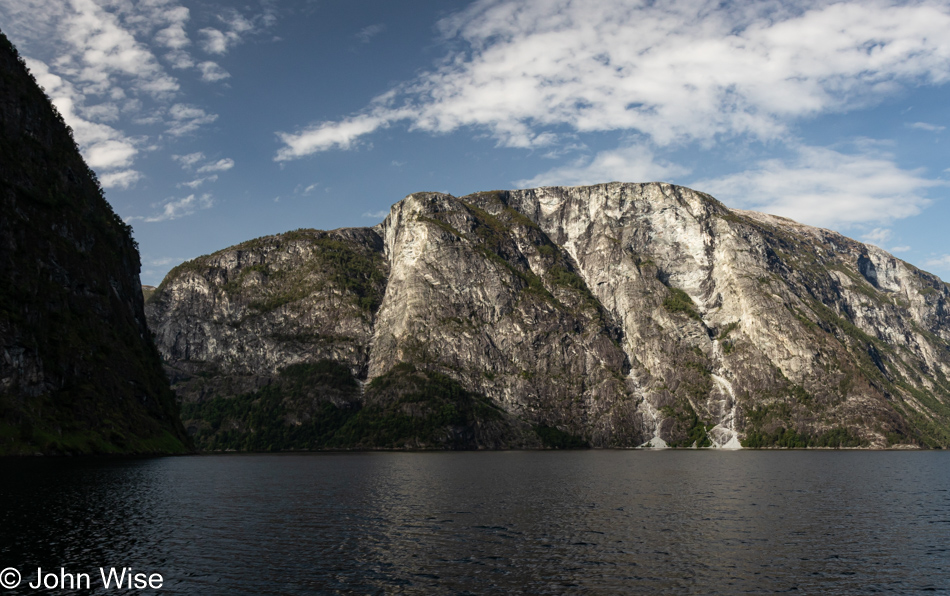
x=617, y=314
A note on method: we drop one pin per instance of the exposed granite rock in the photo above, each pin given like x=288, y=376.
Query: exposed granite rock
x=228, y=322
x=616, y=314
x=79, y=372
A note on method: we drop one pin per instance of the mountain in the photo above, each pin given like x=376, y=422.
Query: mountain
x=79, y=372
x=613, y=315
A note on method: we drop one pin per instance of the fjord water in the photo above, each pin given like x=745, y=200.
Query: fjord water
x=456, y=523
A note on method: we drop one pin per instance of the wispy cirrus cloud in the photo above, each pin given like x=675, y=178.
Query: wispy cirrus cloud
x=877, y=236
x=939, y=263
x=324, y=136
x=211, y=72
x=198, y=181
x=185, y=119
x=926, y=126
x=177, y=208
x=825, y=187
x=674, y=72
x=632, y=162
x=122, y=179
x=188, y=161
x=366, y=34
x=222, y=165
x=232, y=30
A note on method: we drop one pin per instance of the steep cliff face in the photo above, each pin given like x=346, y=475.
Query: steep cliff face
x=251, y=320
x=240, y=315
x=481, y=292
x=782, y=333
x=78, y=370
x=614, y=315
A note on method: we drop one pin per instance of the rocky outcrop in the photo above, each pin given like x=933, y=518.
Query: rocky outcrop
x=612, y=315
x=79, y=372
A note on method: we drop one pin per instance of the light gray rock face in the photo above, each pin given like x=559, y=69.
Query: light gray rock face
x=625, y=314
x=227, y=322
x=480, y=292
x=797, y=327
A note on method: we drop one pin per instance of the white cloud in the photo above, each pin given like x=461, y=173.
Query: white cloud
x=877, y=236
x=199, y=181
x=222, y=165
x=327, y=135
x=99, y=66
x=170, y=20
x=164, y=261
x=238, y=23
x=153, y=269
x=176, y=209
x=366, y=34
x=212, y=73
x=236, y=26
x=100, y=51
x=103, y=147
x=215, y=41
x=926, y=126
x=897, y=249
x=626, y=164
x=173, y=37
x=300, y=189
x=676, y=72
x=104, y=112
x=110, y=154
x=188, y=161
x=823, y=187
x=180, y=59
x=123, y=179
x=938, y=262
x=377, y=214
x=186, y=119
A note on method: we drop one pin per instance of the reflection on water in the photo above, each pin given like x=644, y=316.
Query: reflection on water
x=456, y=523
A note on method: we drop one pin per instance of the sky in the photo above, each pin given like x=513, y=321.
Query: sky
x=211, y=123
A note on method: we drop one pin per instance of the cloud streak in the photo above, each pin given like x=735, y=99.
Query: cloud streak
x=366, y=34
x=675, y=72
x=328, y=135
x=235, y=27
x=939, y=262
x=634, y=162
x=926, y=126
x=824, y=187
x=222, y=165
x=177, y=208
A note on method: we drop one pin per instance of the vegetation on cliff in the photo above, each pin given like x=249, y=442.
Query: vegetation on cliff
x=609, y=315
x=318, y=406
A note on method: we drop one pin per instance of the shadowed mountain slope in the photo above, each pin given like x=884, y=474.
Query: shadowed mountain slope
x=79, y=372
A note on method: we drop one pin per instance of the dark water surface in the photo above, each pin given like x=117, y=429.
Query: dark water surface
x=598, y=522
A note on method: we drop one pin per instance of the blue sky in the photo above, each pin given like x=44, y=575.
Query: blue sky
x=211, y=123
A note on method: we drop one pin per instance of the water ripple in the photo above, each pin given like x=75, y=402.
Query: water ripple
x=476, y=523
